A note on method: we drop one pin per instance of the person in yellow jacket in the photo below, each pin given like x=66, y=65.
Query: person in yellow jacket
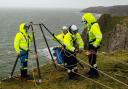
x=73, y=42
x=60, y=37
x=59, y=50
x=94, y=38
x=21, y=44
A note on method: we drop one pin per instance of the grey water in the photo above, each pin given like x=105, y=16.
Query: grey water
x=10, y=19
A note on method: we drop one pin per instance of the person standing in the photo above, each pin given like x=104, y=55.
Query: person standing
x=21, y=44
x=94, y=38
x=73, y=43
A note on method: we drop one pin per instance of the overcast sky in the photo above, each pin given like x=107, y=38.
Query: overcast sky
x=60, y=3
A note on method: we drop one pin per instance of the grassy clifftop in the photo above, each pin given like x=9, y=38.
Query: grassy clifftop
x=114, y=64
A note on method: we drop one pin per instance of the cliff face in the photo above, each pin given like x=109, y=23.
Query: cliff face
x=119, y=37
x=115, y=33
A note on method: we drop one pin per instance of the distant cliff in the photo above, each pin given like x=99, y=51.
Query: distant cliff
x=119, y=10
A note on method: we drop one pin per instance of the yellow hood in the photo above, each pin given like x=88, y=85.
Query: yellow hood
x=89, y=17
x=22, y=28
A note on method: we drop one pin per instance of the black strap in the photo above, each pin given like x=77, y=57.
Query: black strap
x=74, y=41
x=93, y=23
x=27, y=40
x=92, y=41
x=88, y=42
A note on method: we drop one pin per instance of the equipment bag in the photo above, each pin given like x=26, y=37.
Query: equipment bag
x=59, y=55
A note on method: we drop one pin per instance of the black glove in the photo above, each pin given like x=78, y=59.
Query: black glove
x=53, y=34
x=92, y=47
x=64, y=46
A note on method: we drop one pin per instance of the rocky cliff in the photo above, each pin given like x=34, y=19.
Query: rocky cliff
x=119, y=37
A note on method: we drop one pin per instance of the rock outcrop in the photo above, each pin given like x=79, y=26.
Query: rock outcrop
x=105, y=21
x=119, y=37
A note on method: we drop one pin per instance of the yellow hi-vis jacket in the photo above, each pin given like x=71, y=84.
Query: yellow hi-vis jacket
x=22, y=40
x=69, y=41
x=94, y=33
x=60, y=37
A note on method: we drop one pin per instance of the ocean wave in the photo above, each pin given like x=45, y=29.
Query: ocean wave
x=45, y=52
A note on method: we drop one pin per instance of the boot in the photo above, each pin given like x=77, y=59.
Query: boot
x=76, y=75
x=89, y=72
x=23, y=73
x=94, y=74
x=72, y=76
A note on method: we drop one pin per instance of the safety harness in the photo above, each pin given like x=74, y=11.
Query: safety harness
x=89, y=42
x=27, y=40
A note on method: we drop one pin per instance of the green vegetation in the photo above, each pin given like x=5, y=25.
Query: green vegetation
x=114, y=64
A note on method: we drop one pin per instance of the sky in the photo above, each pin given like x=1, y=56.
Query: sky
x=59, y=3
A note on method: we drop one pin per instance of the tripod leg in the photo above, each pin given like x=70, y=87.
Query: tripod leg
x=14, y=66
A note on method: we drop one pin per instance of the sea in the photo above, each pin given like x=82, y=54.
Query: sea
x=53, y=19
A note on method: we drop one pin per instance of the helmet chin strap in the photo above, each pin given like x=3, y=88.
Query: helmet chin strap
x=26, y=28
x=26, y=31
x=70, y=31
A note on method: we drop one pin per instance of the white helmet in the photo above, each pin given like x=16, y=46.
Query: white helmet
x=74, y=28
x=64, y=28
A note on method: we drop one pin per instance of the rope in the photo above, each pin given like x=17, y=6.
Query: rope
x=83, y=77
x=90, y=79
x=121, y=76
x=70, y=53
x=100, y=71
x=105, y=73
x=67, y=56
x=33, y=75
